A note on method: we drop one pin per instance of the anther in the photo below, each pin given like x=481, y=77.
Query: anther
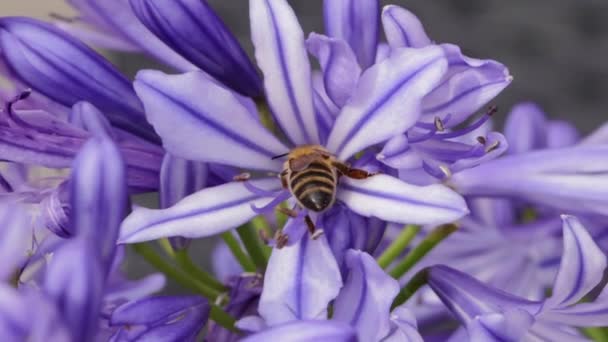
x=439, y=124
x=492, y=146
x=281, y=239
x=481, y=140
x=446, y=170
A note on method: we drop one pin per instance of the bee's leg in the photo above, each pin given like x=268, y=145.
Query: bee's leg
x=289, y=212
x=283, y=176
x=310, y=224
x=349, y=172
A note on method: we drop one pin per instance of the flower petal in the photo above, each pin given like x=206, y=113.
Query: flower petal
x=581, y=315
x=393, y=200
x=582, y=266
x=281, y=54
x=43, y=56
x=468, y=85
x=467, y=297
x=118, y=17
x=561, y=133
x=525, y=128
x=299, y=283
x=387, y=100
x=404, y=327
x=305, y=331
x=510, y=326
x=98, y=194
x=339, y=64
x=176, y=318
x=397, y=153
x=402, y=28
x=84, y=115
x=192, y=28
x=190, y=111
x=597, y=137
x=365, y=300
x=74, y=279
x=14, y=237
x=205, y=213
x=180, y=178
x=570, y=179
x=356, y=22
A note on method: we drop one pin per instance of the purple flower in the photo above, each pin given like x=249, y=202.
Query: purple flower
x=228, y=121
x=302, y=280
x=490, y=314
x=43, y=56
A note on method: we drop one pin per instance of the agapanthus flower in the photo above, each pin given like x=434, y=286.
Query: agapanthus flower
x=385, y=102
x=493, y=315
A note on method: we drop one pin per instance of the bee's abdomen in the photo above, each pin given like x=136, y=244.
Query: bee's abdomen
x=314, y=187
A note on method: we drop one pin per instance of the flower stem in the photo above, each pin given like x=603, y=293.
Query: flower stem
x=239, y=254
x=166, y=246
x=398, y=245
x=185, y=262
x=221, y=317
x=410, y=288
x=180, y=277
x=425, y=246
x=597, y=334
x=253, y=244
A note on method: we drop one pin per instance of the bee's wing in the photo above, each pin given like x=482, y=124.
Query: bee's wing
x=302, y=162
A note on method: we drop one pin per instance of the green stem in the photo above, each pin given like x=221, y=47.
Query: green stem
x=182, y=278
x=184, y=261
x=398, y=245
x=425, y=246
x=597, y=334
x=239, y=254
x=281, y=218
x=222, y=318
x=166, y=246
x=418, y=281
x=253, y=244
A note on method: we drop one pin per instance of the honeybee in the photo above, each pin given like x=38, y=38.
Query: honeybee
x=311, y=174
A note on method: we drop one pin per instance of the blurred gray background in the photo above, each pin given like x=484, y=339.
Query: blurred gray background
x=556, y=50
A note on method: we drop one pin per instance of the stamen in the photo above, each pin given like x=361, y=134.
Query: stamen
x=245, y=176
x=471, y=127
x=481, y=140
x=259, y=191
x=439, y=124
x=282, y=197
x=317, y=234
x=437, y=173
x=492, y=146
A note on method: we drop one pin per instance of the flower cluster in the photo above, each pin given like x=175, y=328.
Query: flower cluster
x=364, y=201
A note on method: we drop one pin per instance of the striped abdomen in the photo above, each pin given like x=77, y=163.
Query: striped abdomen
x=314, y=187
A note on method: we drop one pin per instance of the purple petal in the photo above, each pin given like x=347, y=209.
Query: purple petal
x=223, y=263
x=178, y=318
x=468, y=85
x=561, y=134
x=14, y=237
x=397, y=153
x=598, y=137
x=74, y=279
x=542, y=332
x=387, y=100
x=180, y=178
x=581, y=315
x=356, y=22
x=582, y=266
x=365, y=300
x=525, y=128
x=134, y=290
x=299, y=283
x=55, y=211
x=302, y=331
x=499, y=146
x=510, y=326
x=402, y=28
x=281, y=54
x=393, y=200
x=43, y=57
x=192, y=29
x=98, y=193
x=97, y=37
x=190, y=111
x=84, y=115
x=339, y=64
x=466, y=297
x=403, y=327
x=205, y=213
x=118, y=18
x=569, y=179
